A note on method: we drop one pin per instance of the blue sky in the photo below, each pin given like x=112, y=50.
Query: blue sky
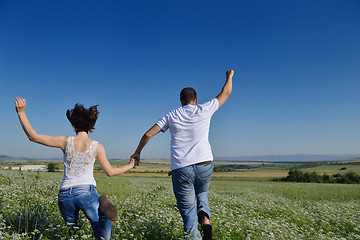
x=295, y=90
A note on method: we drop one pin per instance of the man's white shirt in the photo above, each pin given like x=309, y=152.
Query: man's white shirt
x=189, y=127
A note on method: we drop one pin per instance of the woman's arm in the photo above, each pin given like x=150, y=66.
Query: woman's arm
x=106, y=166
x=51, y=141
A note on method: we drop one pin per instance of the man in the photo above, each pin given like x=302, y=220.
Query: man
x=191, y=156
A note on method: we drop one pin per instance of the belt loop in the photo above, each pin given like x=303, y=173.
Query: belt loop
x=70, y=191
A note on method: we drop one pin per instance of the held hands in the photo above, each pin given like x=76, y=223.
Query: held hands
x=135, y=159
x=20, y=104
x=133, y=162
x=229, y=73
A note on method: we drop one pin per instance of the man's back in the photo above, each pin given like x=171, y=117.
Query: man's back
x=189, y=127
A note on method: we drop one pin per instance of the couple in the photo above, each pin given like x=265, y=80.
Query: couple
x=191, y=159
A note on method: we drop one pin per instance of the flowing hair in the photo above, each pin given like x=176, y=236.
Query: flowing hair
x=82, y=119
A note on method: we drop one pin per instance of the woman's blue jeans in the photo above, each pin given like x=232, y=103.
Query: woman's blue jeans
x=191, y=185
x=85, y=198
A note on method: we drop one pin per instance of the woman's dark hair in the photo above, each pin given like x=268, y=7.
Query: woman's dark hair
x=83, y=119
x=187, y=95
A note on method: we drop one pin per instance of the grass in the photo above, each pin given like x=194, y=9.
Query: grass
x=241, y=209
x=253, y=173
x=294, y=191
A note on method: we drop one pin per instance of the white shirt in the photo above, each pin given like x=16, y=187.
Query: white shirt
x=189, y=127
x=78, y=167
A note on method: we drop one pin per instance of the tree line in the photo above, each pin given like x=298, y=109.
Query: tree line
x=295, y=175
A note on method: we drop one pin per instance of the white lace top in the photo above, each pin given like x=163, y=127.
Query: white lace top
x=78, y=167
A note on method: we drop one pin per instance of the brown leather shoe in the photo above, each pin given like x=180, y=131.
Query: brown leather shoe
x=108, y=209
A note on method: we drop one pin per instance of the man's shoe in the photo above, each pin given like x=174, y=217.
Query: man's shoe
x=207, y=231
x=108, y=209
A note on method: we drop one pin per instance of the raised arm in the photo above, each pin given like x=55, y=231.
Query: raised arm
x=106, y=166
x=227, y=88
x=144, y=140
x=51, y=141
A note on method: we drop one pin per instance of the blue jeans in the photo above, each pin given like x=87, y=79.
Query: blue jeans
x=191, y=185
x=85, y=198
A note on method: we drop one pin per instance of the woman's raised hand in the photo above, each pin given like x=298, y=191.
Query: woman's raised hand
x=20, y=104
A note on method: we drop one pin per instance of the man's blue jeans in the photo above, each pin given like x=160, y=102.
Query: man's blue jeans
x=191, y=185
x=85, y=198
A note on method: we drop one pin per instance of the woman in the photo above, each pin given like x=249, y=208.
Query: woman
x=78, y=188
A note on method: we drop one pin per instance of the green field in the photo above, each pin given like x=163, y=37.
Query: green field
x=241, y=209
x=333, y=169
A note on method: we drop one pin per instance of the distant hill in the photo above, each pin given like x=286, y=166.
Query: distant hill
x=290, y=158
x=4, y=158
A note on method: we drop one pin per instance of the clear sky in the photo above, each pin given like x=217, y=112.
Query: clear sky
x=295, y=89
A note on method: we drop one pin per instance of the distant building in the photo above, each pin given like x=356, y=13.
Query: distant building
x=27, y=167
x=34, y=167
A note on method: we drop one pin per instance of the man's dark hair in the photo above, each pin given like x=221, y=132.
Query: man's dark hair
x=187, y=95
x=82, y=119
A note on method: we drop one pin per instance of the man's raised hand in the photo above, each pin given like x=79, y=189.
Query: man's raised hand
x=229, y=73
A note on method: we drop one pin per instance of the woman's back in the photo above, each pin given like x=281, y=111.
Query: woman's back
x=79, y=162
x=82, y=144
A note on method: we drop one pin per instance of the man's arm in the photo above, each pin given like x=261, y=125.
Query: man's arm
x=226, y=90
x=144, y=140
